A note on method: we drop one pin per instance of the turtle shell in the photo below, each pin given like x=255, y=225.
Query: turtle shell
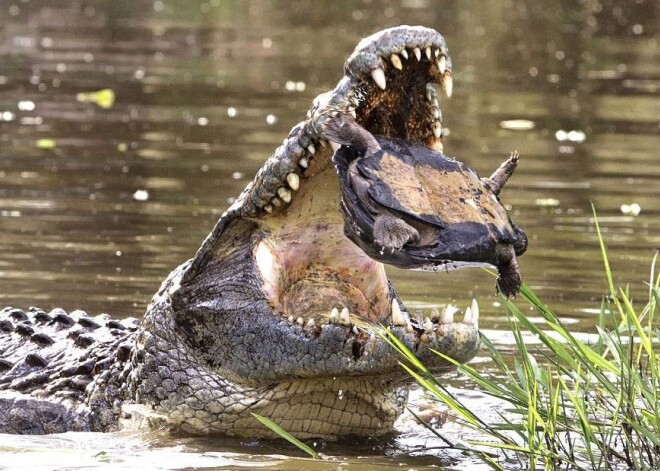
x=461, y=221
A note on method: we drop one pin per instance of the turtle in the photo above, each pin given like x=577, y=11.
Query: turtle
x=416, y=208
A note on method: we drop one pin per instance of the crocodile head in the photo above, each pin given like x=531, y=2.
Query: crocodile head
x=275, y=308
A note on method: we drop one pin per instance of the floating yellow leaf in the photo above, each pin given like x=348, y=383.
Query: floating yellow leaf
x=104, y=98
x=46, y=144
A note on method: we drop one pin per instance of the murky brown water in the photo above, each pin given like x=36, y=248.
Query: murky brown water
x=98, y=204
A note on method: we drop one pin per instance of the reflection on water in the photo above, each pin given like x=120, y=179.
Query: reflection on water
x=100, y=199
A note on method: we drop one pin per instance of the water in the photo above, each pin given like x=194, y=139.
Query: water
x=98, y=204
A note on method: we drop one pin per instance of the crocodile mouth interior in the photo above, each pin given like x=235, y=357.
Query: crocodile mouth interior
x=312, y=273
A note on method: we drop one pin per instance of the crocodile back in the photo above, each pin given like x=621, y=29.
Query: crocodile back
x=58, y=360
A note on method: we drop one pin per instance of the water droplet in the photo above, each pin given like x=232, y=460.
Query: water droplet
x=141, y=195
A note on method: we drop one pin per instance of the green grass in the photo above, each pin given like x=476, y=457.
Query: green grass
x=566, y=404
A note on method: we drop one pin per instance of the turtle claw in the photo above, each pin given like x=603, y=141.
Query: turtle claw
x=393, y=233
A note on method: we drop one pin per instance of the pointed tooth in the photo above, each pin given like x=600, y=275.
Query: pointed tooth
x=397, y=316
x=396, y=61
x=475, y=313
x=290, y=319
x=300, y=321
x=285, y=194
x=436, y=52
x=419, y=317
x=428, y=53
x=352, y=112
x=447, y=84
x=334, y=316
x=428, y=325
x=335, y=146
x=355, y=330
x=276, y=202
x=418, y=53
x=404, y=53
x=268, y=208
x=442, y=64
x=467, y=318
x=311, y=323
x=436, y=113
x=430, y=94
x=303, y=162
x=323, y=143
x=311, y=149
x=436, y=127
x=447, y=316
x=378, y=74
x=293, y=180
x=435, y=314
x=345, y=317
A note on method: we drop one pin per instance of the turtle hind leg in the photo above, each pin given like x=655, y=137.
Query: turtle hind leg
x=343, y=129
x=393, y=233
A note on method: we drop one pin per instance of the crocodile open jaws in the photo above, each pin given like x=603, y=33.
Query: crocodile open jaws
x=272, y=314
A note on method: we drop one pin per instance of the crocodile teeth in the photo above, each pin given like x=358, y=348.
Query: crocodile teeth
x=447, y=316
x=428, y=325
x=430, y=94
x=378, y=74
x=397, y=316
x=447, y=84
x=404, y=53
x=311, y=323
x=276, y=202
x=467, y=318
x=436, y=113
x=300, y=321
x=345, y=317
x=475, y=313
x=428, y=53
x=472, y=314
x=437, y=129
x=285, y=194
x=396, y=61
x=436, y=52
x=323, y=143
x=303, y=162
x=268, y=208
x=290, y=319
x=352, y=112
x=435, y=314
x=335, y=146
x=418, y=53
x=311, y=149
x=293, y=180
x=442, y=64
x=334, y=316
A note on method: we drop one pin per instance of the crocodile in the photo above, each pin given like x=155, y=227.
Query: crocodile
x=272, y=315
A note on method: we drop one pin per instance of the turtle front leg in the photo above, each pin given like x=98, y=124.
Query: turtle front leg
x=509, y=280
x=390, y=232
x=393, y=233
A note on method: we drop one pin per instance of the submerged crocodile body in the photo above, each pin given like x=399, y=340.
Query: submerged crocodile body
x=271, y=314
